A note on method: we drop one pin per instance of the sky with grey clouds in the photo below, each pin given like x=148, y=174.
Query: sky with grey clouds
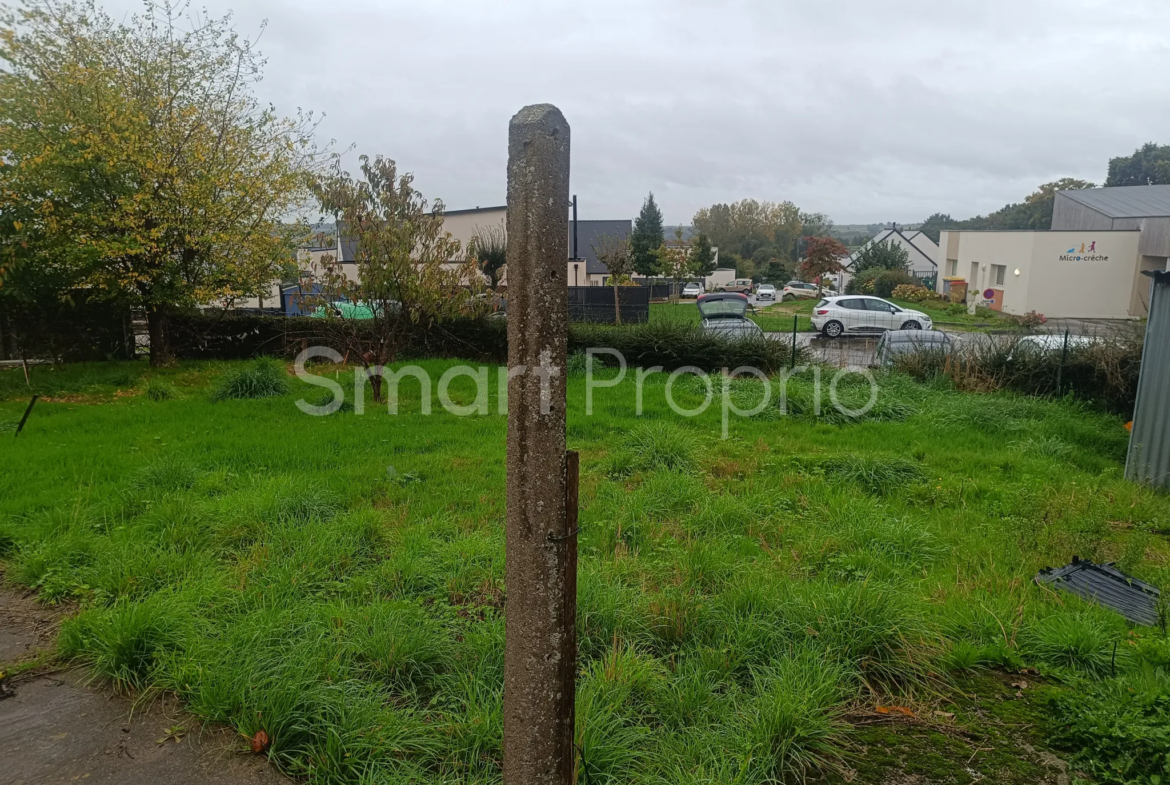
x=868, y=111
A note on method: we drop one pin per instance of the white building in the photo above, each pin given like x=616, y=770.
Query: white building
x=1089, y=265
x=922, y=252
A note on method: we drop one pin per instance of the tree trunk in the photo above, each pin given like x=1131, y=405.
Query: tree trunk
x=158, y=324
x=617, y=305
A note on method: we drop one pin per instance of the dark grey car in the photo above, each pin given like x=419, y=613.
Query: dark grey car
x=725, y=314
x=901, y=342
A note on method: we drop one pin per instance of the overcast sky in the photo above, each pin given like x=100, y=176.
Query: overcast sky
x=868, y=111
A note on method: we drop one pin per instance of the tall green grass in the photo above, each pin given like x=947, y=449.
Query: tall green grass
x=262, y=379
x=738, y=599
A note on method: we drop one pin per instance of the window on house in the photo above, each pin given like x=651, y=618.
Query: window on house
x=954, y=268
x=998, y=272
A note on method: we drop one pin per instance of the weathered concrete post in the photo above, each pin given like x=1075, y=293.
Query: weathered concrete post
x=540, y=539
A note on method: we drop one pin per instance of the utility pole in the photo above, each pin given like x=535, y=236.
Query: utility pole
x=540, y=563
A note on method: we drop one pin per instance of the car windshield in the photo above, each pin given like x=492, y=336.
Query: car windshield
x=822, y=304
x=719, y=308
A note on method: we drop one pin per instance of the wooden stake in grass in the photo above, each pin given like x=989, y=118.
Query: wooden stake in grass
x=27, y=412
x=540, y=536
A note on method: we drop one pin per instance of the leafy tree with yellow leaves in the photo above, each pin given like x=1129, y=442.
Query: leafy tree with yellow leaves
x=138, y=165
x=409, y=271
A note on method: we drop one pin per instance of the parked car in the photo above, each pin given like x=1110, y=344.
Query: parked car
x=765, y=291
x=1055, y=342
x=724, y=314
x=896, y=343
x=835, y=316
x=740, y=285
x=1051, y=343
x=794, y=290
x=691, y=290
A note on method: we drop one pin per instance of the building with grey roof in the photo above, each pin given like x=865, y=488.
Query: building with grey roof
x=1090, y=264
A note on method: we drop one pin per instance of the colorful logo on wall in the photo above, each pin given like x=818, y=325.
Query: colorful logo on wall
x=1086, y=253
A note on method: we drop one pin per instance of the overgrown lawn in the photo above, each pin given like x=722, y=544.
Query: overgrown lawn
x=338, y=581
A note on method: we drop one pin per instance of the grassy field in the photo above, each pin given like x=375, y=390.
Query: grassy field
x=847, y=598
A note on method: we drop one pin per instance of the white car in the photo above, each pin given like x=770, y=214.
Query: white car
x=766, y=291
x=835, y=316
x=797, y=289
x=692, y=290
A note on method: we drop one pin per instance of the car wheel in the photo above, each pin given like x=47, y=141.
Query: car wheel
x=721, y=289
x=911, y=325
x=833, y=329
x=787, y=298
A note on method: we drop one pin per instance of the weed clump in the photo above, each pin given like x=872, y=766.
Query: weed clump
x=795, y=724
x=264, y=379
x=657, y=446
x=169, y=473
x=876, y=476
x=159, y=391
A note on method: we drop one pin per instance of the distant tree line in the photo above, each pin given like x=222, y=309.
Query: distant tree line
x=1148, y=165
x=762, y=240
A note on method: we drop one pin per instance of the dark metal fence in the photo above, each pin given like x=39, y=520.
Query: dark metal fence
x=596, y=304
x=664, y=289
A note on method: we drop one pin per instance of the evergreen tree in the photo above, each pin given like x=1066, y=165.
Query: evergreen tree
x=647, y=237
x=703, y=255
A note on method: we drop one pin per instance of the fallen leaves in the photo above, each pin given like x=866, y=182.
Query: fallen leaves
x=895, y=710
x=260, y=741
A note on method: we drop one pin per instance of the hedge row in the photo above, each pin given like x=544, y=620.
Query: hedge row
x=668, y=344
x=73, y=331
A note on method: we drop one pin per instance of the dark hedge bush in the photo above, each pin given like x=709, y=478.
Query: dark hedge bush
x=675, y=345
x=888, y=280
x=669, y=344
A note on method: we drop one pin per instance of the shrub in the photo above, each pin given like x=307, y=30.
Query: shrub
x=862, y=283
x=1031, y=320
x=674, y=345
x=264, y=379
x=915, y=294
x=888, y=280
x=1104, y=371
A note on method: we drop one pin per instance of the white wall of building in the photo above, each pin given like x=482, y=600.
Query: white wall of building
x=1084, y=274
x=464, y=224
